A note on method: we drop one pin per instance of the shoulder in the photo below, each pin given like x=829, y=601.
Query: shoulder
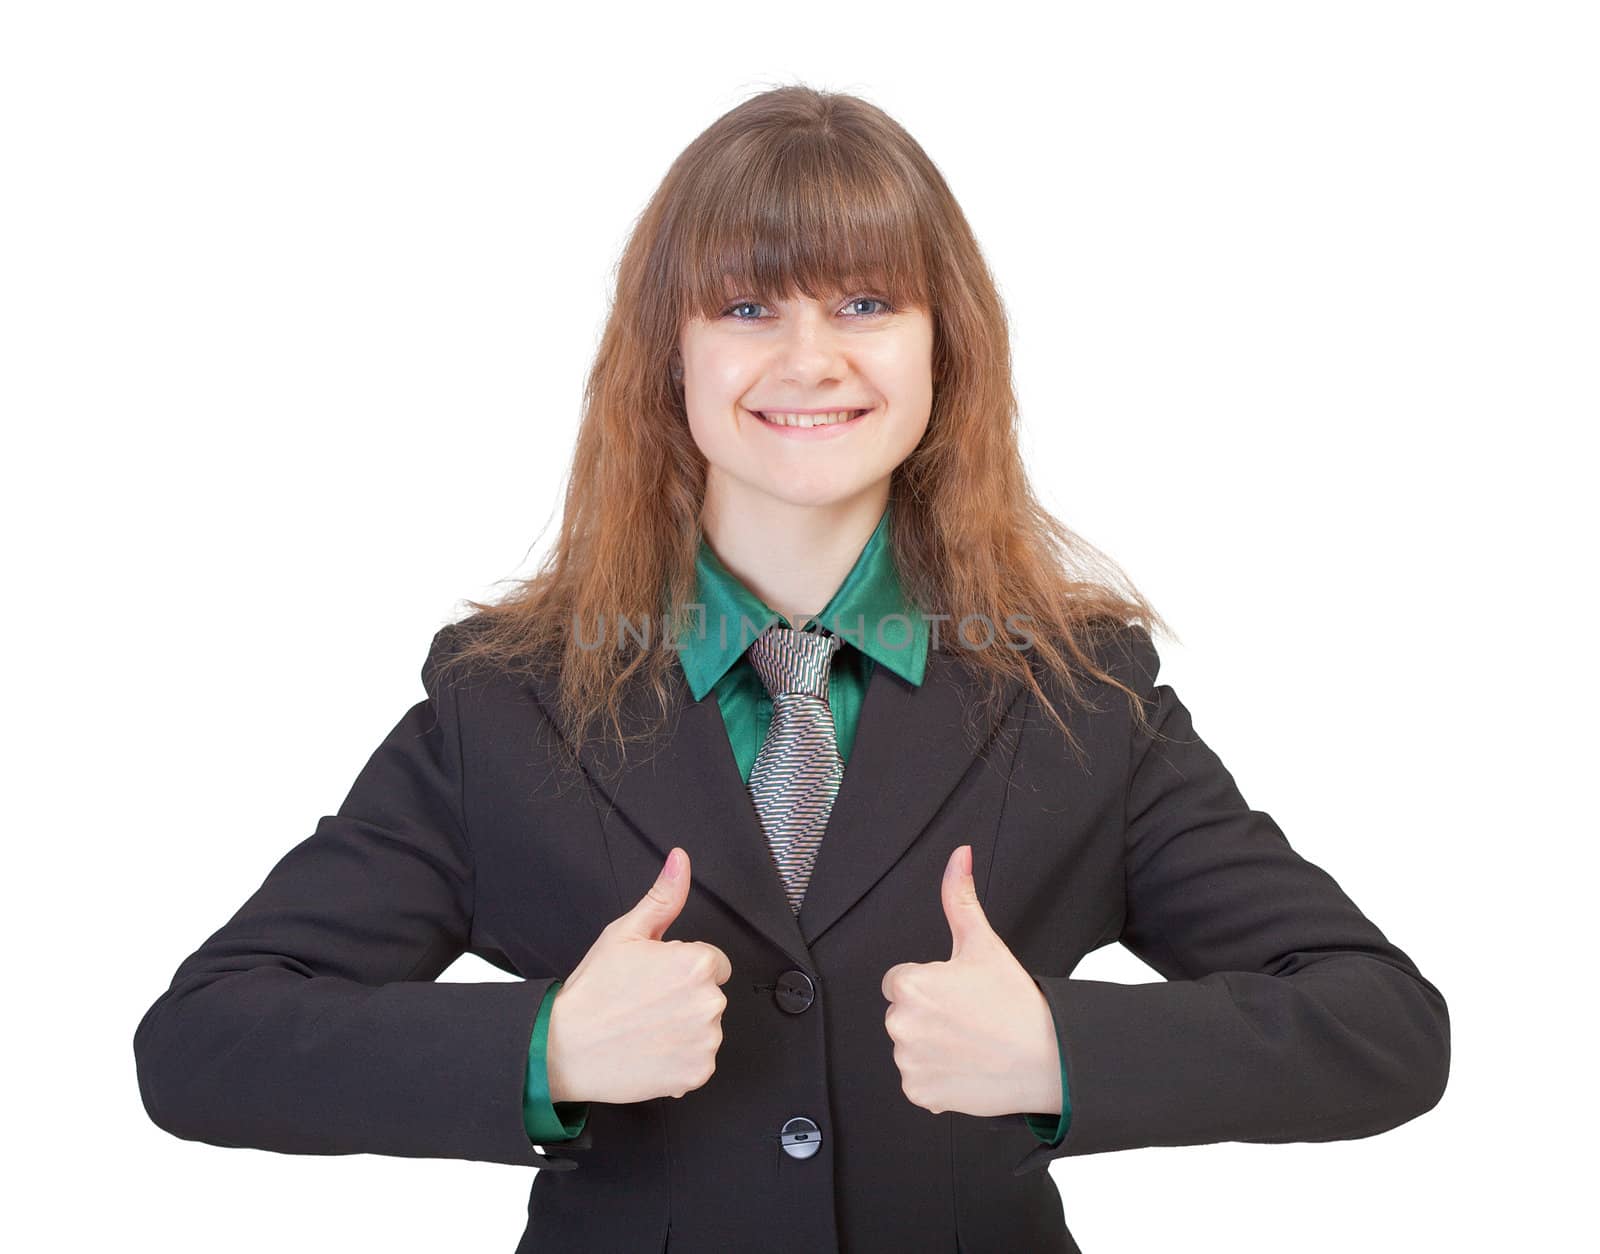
x=1123, y=651
x=447, y=645
x=488, y=657
x=1130, y=654
x=460, y=652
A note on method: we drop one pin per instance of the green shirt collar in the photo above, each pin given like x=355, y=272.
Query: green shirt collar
x=869, y=611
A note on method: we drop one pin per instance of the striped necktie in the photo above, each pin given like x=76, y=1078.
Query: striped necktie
x=797, y=772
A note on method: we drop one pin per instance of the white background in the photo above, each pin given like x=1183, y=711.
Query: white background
x=298, y=300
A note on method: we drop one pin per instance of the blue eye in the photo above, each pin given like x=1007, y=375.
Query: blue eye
x=751, y=304
x=877, y=300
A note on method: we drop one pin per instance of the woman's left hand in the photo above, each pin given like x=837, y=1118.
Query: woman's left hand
x=974, y=1034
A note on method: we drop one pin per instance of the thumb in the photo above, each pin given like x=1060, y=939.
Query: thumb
x=969, y=926
x=660, y=906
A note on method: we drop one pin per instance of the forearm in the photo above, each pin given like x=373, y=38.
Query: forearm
x=273, y=1059
x=1348, y=1047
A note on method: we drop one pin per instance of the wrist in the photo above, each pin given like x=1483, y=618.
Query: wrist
x=555, y=1053
x=1042, y=1070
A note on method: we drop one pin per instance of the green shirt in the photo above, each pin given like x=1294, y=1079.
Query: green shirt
x=868, y=612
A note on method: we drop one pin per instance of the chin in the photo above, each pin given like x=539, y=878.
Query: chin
x=817, y=495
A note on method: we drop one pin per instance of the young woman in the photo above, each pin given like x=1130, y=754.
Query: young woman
x=793, y=787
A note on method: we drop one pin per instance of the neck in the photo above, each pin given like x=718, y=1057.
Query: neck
x=794, y=557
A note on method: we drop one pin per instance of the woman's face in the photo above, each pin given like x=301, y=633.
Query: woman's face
x=852, y=352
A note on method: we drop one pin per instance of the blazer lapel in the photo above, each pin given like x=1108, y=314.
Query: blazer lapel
x=913, y=745
x=912, y=748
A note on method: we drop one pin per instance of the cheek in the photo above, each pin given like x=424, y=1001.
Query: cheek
x=907, y=378
x=908, y=444
x=719, y=372
x=909, y=425
x=705, y=431
x=716, y=429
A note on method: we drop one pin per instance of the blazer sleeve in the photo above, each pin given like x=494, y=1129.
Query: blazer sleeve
x=1284, y=1015
x=312, y=1022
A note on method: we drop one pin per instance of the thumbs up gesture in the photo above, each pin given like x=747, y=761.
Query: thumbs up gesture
x=973, y=1034
x=639, y=1017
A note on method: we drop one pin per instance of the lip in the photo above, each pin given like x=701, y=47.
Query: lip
x=832, y=432
x=826, y=409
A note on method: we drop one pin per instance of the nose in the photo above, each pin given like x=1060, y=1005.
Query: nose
x=809, y=348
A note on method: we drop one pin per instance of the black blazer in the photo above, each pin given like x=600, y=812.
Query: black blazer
x=312, y=1022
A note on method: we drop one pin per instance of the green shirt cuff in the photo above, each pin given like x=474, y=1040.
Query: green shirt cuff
x=1051, y=1128
x=545, y=1121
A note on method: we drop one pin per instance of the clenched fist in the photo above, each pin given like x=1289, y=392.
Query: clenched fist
x=640, y=1017
x=973, y=1034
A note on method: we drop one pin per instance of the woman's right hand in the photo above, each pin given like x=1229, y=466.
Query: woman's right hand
x=640, y=1017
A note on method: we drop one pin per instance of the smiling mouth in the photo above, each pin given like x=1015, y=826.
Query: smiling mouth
x=809, y=421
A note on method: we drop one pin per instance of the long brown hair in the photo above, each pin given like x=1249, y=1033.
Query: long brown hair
x=808, y=190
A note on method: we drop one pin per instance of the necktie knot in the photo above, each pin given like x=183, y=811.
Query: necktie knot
x=794, y=662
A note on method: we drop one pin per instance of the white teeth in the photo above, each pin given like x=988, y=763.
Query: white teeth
x=811, y=420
